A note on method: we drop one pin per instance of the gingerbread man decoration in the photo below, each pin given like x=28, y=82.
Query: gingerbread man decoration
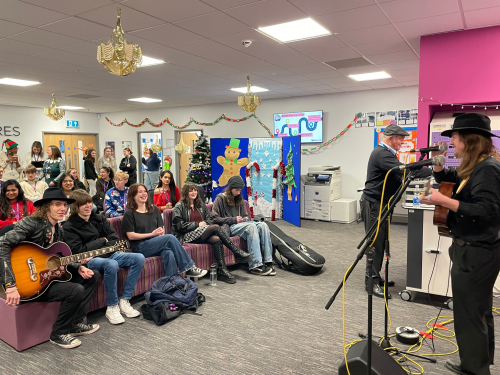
x=230, y=162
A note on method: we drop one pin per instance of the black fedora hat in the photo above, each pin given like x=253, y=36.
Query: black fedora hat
x=53, y=194
x=471, y=123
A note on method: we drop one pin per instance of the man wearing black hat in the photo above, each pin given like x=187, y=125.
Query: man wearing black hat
x=382, y=159
x=474, y=223
x=43, y=229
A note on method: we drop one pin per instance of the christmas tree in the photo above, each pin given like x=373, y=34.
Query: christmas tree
x=290, y=174
x=200, y=169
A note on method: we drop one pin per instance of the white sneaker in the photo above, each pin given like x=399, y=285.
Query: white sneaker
x=127, y=309
x=113, y=315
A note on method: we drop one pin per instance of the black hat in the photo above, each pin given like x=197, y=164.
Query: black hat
x=236, y=182
x=472, y=123
x=395, y=130
x=53, y=194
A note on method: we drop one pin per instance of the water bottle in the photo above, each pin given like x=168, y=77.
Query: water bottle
x=213, y=275
x=416, y=201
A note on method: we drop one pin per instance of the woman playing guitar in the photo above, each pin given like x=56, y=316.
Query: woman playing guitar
x=474, y=223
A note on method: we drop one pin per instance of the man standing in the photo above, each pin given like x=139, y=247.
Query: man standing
x=43, y=228
x=382, y=159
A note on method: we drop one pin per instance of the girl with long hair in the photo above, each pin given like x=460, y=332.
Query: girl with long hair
x=105, y=181
x=192, y=222
x=129, y=165
x=90, y=171
x=54, y=166
x=166, y=195
x=107, y=160
x=13, y=204
x=143, y=224
x=35, y=155
x=78, y=184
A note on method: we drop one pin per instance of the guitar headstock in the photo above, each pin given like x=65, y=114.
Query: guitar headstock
x=121, y=245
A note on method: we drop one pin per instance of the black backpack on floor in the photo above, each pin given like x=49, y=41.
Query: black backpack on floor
x=291, y=255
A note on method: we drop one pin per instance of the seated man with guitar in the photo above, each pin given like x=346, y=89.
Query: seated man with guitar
x=27, y=270
x=85, y=231
x=474, y=223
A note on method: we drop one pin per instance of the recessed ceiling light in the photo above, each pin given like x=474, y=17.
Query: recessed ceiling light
x=252, y=89
x=17, y=82
x=69, y=107
x=306, y=28
x=369, y=76
x=145, y=100
x=148, y=61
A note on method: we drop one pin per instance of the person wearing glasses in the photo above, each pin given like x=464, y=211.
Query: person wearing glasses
x=115, y=200
x=32, y=187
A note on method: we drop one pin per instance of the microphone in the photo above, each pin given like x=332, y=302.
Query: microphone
x=440, y=148
x=439, y=160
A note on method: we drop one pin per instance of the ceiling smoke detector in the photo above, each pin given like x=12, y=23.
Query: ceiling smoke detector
x=246, y=43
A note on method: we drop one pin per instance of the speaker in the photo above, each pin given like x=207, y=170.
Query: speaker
x=382, y=362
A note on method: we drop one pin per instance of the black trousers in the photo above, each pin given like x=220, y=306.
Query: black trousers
x=369, y=213
x=75, y=297
x=473, y=275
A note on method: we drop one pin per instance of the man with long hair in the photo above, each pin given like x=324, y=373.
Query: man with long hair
x=43, y=228
x=474, y=223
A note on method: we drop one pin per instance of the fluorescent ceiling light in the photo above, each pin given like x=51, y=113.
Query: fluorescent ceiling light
x=69, y=107
x=369, y=76
x=17, y=82
x=295, y=30
x=252, y=89
x=148, y=61
x=145, y=100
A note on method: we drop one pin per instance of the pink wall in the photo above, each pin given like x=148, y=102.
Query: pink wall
x=457, y=67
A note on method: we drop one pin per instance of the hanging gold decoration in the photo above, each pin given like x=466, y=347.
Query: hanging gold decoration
x=118, y=56
x=53, y=112
x=181, y=147
x=156, y=147
x=249, y=101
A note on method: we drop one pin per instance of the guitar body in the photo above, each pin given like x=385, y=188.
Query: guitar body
x=440, y=212
x=35, y=268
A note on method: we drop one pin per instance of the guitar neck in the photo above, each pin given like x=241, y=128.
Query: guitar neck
x=89, y=254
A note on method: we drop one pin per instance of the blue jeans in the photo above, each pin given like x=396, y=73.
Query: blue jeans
x=174, y=256
x=258, y=237
x=109, y=268
x=151, y=179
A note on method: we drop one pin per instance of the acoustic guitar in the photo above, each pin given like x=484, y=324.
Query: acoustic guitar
x=440, y=212
x=36, y=268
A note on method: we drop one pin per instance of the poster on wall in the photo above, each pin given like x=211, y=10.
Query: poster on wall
x=387, y=118
x=111, y=144
x=229, y=157
x=291, y=182
x=126, y=144
x=362, y=121
x=407, y=117
x=410, y=143
x=371, y=119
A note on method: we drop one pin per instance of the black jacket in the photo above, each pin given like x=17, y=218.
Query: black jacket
x=132, y=170
x=90, y=173
x=30, y=229
x=181, y=225
x=82, y=236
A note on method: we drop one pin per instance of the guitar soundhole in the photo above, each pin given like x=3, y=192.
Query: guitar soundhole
x=53, y=263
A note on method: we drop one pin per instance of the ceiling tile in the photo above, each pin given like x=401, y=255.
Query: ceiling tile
x=411, y=78
x=383, y=47
x=479, y=4
x=319, y=7
x=383, y=85
x=404, y=73
x=274, y=73
x=348, y=84
x=86, y=49
x=212, y=25
x=311, y=68
x=296, y=60
x=482, y=17
x=305, y=84
x=9, y=56
x=312, y=45
x=334, y=54
x=335, y=81
x=80, y=29
x=27, y=49
x=370, y=35
x=171, y=10
x=204, y=48
x=412, y=83
x=27, y=14
x=10, y=28
x=430, y=25
x=353, y=19
x=70, y=7
x=226, y=4
x=404, y=10
x=321, y=76
x=235, y=40
x=40, y=63
x=392, y=57
x=400, y=65
x=146, y=45
x=266, y=13
x=291, y=79
x=167, y=35
x=167, y=54
x=361, y=69
x=45, y=38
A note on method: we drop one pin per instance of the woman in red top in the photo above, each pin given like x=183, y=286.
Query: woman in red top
x=166, y=194
x=13, y=205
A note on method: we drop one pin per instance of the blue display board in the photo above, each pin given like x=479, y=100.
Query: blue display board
x=291, y=207
x=229, y=157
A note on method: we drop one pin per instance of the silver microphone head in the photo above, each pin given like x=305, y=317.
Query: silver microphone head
x=443, y=147
x=439, y=160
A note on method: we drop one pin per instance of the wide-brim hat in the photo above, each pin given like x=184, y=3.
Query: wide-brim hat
x=53, y=194
x=471, y=123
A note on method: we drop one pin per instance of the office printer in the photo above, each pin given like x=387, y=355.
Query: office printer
x=318, y=188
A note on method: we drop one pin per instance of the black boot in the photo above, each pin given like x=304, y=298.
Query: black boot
x=222, y=271
x=239, y=255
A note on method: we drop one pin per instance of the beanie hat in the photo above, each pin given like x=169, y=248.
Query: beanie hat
x=9, y=144
x=236, y=182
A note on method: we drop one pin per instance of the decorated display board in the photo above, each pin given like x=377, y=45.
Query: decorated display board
x=147, y=140
x=291, y=181
x=229, y=157
x=410, y=143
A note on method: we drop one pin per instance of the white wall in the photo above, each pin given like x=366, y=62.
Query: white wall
x=32, y=122
x=351, y=152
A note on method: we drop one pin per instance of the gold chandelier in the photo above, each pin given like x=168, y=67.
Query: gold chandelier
x=118, y=56
x=53, y=112
x=249, y=101
x=181, y=147
x=156, y=147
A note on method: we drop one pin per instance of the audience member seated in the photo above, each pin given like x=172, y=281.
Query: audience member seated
x=143, y=225
x=13, y=205
x=115, y=200
x=10, y=161
x=229, y=211
x=33, y=189
x=78, y=184
x=105, y=182
x=166, y=194
x=192, y=222
x=43, y=229
x=86, y=231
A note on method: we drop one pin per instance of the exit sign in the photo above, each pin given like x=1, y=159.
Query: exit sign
x=72, y=124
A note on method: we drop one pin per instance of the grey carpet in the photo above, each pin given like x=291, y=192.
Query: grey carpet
x=261, y=325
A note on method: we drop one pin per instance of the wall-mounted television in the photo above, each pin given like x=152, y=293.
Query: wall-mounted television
x=309, y=125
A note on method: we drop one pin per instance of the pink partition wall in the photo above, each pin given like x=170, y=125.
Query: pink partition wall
x=457, y=67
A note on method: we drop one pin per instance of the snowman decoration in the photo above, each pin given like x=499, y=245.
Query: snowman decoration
x=230, y=163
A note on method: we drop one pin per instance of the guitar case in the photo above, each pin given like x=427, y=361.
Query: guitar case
x=291, y=255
